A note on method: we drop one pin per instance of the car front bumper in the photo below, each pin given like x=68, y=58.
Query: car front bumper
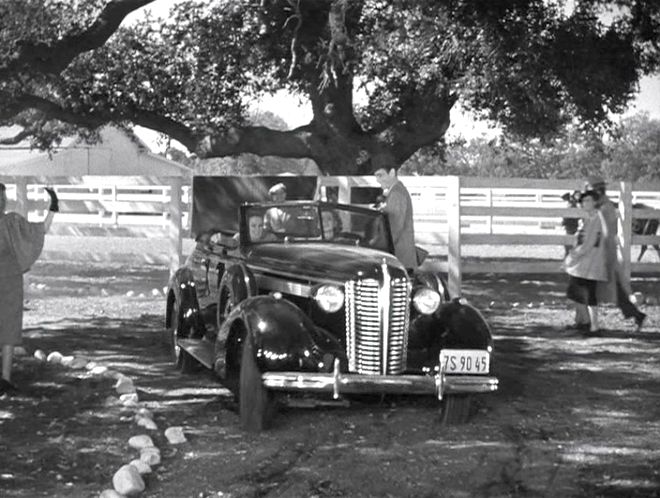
x=339, y=383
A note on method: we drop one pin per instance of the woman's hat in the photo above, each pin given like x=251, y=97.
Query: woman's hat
x=588, y=193
x=278, y=187
x=594, y=182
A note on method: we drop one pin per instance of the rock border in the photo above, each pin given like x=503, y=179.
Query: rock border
x=127, y=480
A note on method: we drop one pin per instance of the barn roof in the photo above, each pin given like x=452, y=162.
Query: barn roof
x=118, y=152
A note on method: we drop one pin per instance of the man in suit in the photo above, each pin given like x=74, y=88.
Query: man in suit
x=398, y=207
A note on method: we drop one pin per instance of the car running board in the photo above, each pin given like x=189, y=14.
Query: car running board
x=200, y=349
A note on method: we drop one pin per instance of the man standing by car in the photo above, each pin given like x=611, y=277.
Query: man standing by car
x=20, y=245
x=398, y=207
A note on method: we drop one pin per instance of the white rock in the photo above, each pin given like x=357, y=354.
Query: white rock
x=141, y=441
x=129, y=403
x=637, y=298
x=54, y=357
x=104, y=293
x=99, y=370
x=147, y=423
x=130, y=293
x=124, y=385
x=67, y=360
x=144, y=412
x=39, y=355
x=90, y=365
x=515, y=305
x=150, y=455
x=19, y=351
x=110, y=493
x=155, y=292
x=165, y=291
x=79, y=362
x=129, y=397
x=175, y=435
x=127, y=481
x=111, y=401
x=142, y=467
x=41, y=286
x=142, y=295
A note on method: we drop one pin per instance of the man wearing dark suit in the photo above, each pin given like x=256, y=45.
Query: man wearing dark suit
x=398, y=207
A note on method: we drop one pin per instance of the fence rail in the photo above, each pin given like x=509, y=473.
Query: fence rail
x=451, y=213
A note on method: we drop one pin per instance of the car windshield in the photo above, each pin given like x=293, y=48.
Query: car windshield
x=316, y=223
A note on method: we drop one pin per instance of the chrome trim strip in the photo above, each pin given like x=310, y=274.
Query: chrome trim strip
x=381, y=384
x=276, y=273
x=384, y=307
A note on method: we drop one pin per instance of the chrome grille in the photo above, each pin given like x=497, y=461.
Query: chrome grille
x=377, y=316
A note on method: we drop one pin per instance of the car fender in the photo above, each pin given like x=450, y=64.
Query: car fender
x=456, y=324
x=284, y=338
x=240, y=279
x=182, y=289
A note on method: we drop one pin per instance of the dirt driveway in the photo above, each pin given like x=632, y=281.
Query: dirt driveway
x=574, y=416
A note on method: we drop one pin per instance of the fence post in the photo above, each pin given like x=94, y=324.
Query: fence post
x=625, y=225
x=454, y=235
x=21, y=196
x=175, y=232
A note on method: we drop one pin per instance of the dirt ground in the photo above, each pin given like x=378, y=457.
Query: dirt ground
x=574, y=416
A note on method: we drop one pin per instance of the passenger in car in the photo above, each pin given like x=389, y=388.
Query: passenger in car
x=276, y=218
x=256, y=229
x=330, y=227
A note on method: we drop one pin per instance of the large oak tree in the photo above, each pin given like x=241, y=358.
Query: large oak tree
x=529, y=65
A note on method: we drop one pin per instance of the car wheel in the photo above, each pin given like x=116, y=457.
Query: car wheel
x=455, y=409
x=256, y=403
x=181, y=359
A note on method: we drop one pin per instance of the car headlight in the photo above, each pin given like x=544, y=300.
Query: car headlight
x=426, y=300
x=330, y=298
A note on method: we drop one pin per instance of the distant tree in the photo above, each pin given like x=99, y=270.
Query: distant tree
x=527, y=64
x=633, y=153
x=628, y=151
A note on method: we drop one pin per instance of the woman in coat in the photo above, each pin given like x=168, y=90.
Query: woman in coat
x=20, y=245
x=585, y=263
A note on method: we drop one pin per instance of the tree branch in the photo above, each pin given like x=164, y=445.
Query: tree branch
x=18, y=138
x=259, y=140
x=55, y=57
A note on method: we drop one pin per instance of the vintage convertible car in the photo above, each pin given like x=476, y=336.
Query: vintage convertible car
x=307, y=297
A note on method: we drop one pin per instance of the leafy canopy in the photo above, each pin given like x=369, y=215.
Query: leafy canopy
x=527, y=64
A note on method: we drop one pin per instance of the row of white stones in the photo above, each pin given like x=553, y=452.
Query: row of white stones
x=127, y=480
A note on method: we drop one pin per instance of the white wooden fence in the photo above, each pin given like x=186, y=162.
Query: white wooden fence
x=451, y=214
x=109, y=202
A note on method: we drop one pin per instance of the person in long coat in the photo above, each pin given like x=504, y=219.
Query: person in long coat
x=21, y=243
x=585, y=263
x=617, y=287
x=398, y=206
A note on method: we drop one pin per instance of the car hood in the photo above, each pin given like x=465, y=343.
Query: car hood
x=331, y=261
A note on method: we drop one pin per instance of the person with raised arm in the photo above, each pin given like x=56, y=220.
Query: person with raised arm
x=21, y=243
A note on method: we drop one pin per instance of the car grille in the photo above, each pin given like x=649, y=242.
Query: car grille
x=377, y=315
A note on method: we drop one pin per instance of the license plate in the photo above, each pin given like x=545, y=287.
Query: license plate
x=465, y=361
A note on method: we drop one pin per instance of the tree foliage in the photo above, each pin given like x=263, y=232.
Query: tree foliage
x=630, y=150
x=527, y=64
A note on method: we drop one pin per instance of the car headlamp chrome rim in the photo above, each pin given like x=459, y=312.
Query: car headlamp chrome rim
x=426, y=300
x=330, y=298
